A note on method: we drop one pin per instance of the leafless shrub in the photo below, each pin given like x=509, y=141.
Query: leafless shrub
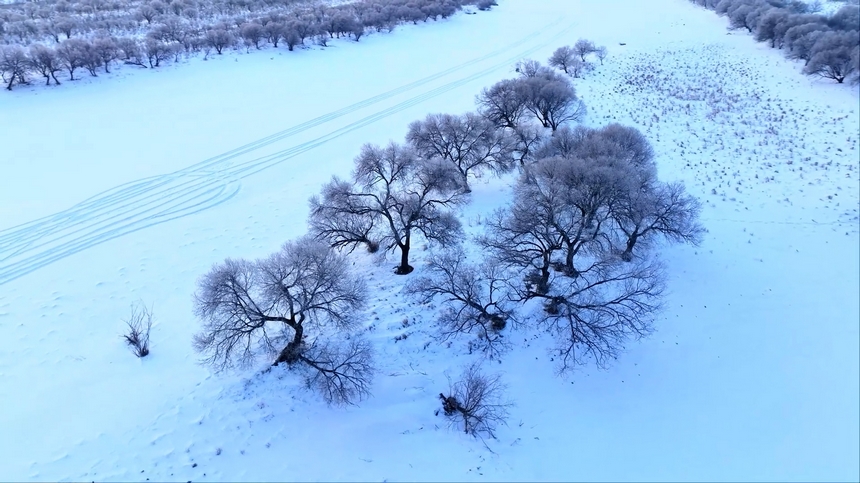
x=475, y=402
x=139, y=324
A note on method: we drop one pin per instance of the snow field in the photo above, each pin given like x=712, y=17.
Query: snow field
x=753, y=373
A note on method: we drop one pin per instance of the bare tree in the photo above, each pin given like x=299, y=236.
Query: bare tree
x=799, y=40
x=253, y=33
x=766, y=28
x=147, y=13
x=831, y=56
x=578, y=67
x=486, y=4
x=71, y=54
x=338, y=218
x=528, y=68
x=292, y=37
x=219, y=39
x=574, y=199
x=395, y=196
x=564, y=142
x=622, y=143
x=475, y=298
x=44, y=61
x=275, y=32
x=91, y=59
x=130, y=51
x=583, y=47
x=740, y=17
x=106, y=50
x=340, y=372
x=67, y=26
x=14, y=65
x=601, y=54
x=271, y=307
x=528, y=138
x=552, y=99
x=659, y=209
x=503, y=104
x=139, y=326
x=476, y=402
x=562, y=58
x=470, y=142
x=517, y=238
x=593, y=315
x=157, y=51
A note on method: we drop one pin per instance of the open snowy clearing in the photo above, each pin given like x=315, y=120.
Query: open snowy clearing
x=753, y=372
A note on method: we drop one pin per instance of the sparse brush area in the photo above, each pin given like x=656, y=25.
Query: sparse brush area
x=42, y=39
x=828, y=45
x=139, y=325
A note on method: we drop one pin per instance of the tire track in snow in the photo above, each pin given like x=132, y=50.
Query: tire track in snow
x=151, y=201
x=11, y=236
x=128, y=190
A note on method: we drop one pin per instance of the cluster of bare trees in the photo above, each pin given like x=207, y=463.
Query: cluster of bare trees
x=828, y=46
x=574, y=60
x=46, y=38
x=574, y=252
x=578, y=236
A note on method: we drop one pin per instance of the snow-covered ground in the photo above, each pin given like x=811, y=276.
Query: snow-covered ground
x=752, y=375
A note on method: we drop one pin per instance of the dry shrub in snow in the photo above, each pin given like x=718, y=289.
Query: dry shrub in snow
x=476, y=402
x=139, y=324
x=299, y=306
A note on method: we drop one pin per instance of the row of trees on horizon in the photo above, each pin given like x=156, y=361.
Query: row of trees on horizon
x=44, y=40
x=829, y=46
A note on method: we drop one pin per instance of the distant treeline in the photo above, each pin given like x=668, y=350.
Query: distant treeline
x=828, y=45
x=46, y=38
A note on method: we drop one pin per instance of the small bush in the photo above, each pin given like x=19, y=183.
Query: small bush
x=139, y=324
x=476, y=402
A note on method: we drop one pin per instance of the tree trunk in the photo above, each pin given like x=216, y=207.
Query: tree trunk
x=293, y=351
x=627, y=255
x=54, y=75
x=542, y=286
x=569, y=269
x=404, y=267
